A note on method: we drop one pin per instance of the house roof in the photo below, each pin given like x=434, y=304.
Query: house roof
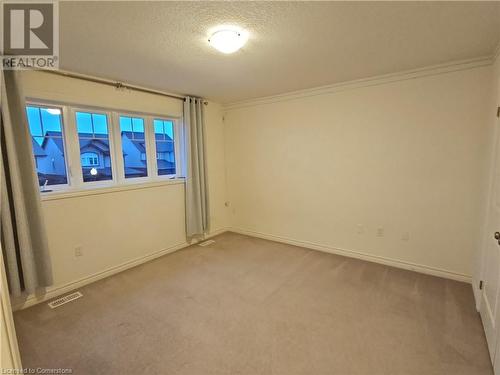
x=37, y=150
x=136, y=139
x=162, y=137
x=140, y=145
x=56, y=138
x=98, y=144
x=87, y=140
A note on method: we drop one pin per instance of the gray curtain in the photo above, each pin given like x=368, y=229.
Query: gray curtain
x=23, y=235
x=197, y=205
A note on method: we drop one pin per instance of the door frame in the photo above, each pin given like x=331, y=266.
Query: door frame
x=485, y=237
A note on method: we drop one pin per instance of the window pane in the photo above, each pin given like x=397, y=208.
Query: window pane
x=165, y=150
x=95, y=153
x=48, y=144
x=158, y=125
x=83, y=122
x=169, y=129
x=34, y=121
x=133, y=147
x=125, y=124
x=138, y=125
x=100, y=124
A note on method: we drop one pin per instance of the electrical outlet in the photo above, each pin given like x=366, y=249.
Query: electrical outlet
x=380, y=232
x=78, y=251
x=360, y=229
x=405, y=236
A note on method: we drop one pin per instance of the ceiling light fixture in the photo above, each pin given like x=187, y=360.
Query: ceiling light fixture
x=228, y=40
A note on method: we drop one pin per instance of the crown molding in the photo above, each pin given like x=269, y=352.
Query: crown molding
x=366, y=82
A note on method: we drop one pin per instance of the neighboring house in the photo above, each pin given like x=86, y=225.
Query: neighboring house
x=95, y=153
x=38, y=152
x=49, y=158
x=134, y=155
x=165, y=155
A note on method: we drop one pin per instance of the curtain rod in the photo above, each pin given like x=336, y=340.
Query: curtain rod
x=116, y=84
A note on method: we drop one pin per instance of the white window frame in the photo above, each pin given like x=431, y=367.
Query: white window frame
x=76, y=141
x=71, y=143
x=177, y=150
x=41, y=104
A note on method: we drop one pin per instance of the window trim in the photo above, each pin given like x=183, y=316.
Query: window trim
x=71, y=142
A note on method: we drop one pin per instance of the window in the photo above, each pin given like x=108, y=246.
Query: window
x=89, y=159
x=93, y=137
x=104, y=147
x=165, y=148
x=133, y=147
x=47, y=139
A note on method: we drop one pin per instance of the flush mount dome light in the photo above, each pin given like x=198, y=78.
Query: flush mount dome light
x=228, y=40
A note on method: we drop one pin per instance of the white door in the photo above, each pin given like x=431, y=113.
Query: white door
x=490, y=303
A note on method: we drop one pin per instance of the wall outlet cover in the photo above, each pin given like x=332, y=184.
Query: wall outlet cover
x=78, y=251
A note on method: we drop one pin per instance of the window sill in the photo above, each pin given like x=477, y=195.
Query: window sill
x=72, y=193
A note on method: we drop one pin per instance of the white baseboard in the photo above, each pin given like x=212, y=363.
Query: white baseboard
x=56, y=291
x=477, y=293
x=360, y=255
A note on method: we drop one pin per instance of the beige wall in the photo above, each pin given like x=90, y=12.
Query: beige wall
x=407, y=155
x=117, y=228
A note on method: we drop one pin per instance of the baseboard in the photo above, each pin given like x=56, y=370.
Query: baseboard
x=477, y=293
x=53, y=292
x=360, y=255
x=56, y=291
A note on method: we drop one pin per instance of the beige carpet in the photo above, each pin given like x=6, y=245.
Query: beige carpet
x=250, y=306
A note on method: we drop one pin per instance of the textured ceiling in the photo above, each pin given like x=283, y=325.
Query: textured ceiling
x=292, y=45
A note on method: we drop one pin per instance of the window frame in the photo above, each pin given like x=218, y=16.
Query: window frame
x=76, y=141
x=71, y=143
x=42, y=104
x=177, y=150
